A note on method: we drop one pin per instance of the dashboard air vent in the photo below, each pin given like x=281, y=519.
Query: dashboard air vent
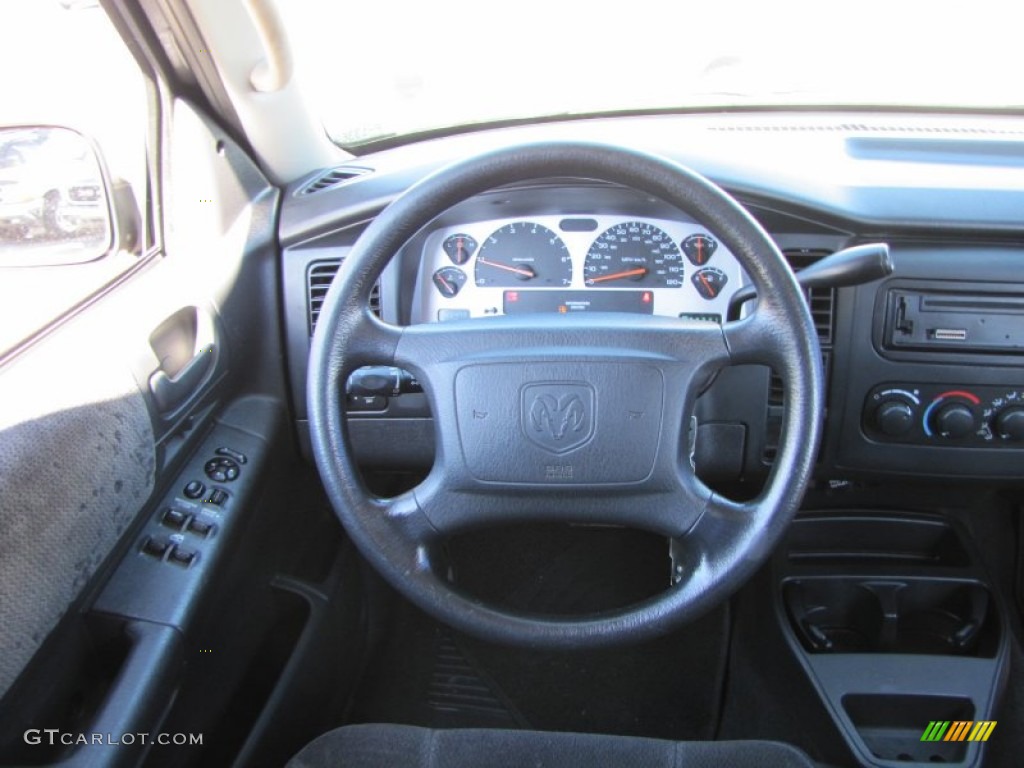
x=822, y=305
x=321, y=275
x=334, y=178
x=821, y=300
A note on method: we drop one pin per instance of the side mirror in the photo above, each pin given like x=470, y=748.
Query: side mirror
x=56, y=201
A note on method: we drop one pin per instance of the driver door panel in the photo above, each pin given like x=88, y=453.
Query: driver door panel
x=102, y=424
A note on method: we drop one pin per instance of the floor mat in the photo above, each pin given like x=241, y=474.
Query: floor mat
x=422, y=677
x=668, y=688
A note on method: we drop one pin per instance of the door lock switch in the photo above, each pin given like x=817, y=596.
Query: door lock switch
x=217, y=497
x=195, y=489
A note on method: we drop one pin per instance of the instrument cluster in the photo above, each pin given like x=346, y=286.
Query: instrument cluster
x=557, y=263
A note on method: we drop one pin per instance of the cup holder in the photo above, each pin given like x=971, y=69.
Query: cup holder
x=867, y=615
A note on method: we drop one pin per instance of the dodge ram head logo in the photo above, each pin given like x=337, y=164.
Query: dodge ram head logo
x=558, y=417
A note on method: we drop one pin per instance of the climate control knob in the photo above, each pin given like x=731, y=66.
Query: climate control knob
x=954, y=420
x=1010, y=424
x=894, y=418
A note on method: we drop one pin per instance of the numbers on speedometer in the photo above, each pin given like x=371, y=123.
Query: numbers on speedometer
x=633, y=253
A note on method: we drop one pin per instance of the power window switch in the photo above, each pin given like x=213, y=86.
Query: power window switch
x=181, y=556
x=155, y=546
x=200, y=527
x=173, y=518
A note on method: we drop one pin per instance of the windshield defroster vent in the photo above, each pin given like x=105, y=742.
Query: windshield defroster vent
x=321, y=275
x=333, y=178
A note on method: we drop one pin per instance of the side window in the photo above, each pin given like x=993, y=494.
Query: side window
x=73, y=191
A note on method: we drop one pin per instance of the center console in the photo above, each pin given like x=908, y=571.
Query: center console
x=932, y=365
x=900, y=632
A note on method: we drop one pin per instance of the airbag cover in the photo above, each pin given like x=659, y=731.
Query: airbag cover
x=559, y=423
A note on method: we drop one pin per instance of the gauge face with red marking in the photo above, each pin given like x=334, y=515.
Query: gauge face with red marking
x=523, y=253
x=699, y=248
x=631, y=254
x=459, y=248
x=709, y=282
x=449, y=281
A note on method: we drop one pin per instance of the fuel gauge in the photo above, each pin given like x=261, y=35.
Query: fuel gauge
x=709, y=282
x=459, y=248
x=449, y=281
x=699, y=248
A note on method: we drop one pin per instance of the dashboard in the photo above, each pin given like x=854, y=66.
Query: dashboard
x=575, y=263
x=925, y=368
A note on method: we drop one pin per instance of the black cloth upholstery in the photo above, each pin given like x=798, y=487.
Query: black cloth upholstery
x=405, y=746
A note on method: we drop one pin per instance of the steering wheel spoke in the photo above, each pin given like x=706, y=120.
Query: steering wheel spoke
x=756, y=339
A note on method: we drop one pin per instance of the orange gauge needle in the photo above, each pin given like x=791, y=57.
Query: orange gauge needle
x=617, y=275
x=707, y=284
x=526, y=272
x=700, y=250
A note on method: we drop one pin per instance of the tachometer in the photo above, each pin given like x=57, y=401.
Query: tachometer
x=634, y=253
x=523, y=252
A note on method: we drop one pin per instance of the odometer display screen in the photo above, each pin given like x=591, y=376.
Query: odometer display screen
x=564, y=302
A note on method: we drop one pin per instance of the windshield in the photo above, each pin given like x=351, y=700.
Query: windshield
x=385, y=70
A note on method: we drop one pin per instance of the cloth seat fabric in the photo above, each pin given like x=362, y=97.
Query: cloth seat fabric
x=405, y=746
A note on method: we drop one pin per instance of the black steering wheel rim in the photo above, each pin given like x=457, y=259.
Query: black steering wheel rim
x=725, y=540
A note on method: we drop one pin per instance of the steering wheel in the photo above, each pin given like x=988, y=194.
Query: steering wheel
x=579, y=417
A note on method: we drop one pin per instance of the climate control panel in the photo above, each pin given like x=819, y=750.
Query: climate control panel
x=930, y=414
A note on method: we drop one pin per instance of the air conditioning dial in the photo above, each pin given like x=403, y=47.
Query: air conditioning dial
x=894, y=418
x=1009, y=424
x=943, y=415
x=954, y=420
x=893, y=413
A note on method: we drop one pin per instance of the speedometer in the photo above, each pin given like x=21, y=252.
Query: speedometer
x=633, y=253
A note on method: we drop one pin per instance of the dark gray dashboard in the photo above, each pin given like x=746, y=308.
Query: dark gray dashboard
x=946, y=192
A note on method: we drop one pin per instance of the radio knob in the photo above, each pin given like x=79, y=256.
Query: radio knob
x=954, y=420
x=894, y=418
x=1010, y=424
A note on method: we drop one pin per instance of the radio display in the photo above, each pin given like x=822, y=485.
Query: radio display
x=564, y=302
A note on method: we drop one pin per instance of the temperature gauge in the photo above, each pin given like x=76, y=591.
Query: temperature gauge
x=709, y=282
x=449, y=281
x=699, y=249
x=459, y=248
